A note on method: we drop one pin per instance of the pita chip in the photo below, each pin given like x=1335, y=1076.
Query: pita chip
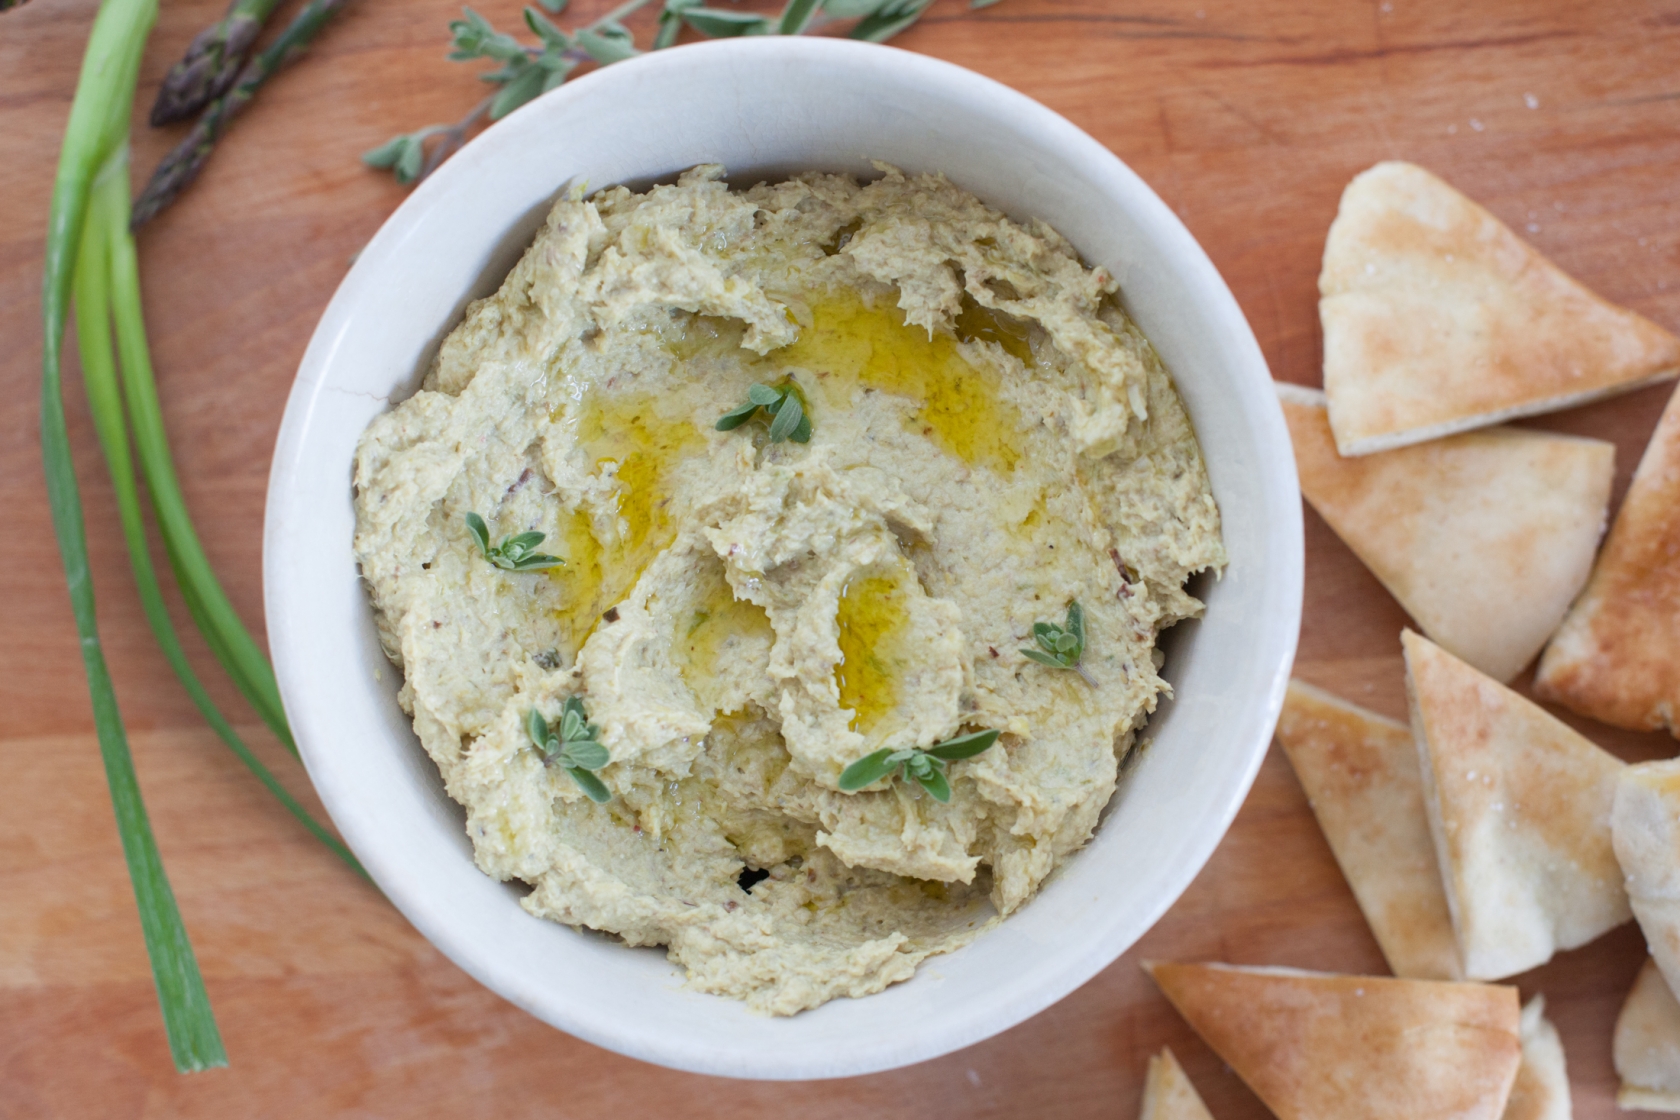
x=1168, y=1094
x=1645, y=827
x=1319, y=1047
x=1542, y=1088
x=1647, y=1045
x=1616, y=657
x=1519, y=805
x=1438, y=319
x=1485, y=538
x=1360, y=771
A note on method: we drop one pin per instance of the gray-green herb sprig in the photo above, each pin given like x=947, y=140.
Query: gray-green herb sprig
x=525, y=71
x=1062, y=647
x=925, y=767
x=572, y=745
x=515, y=553
x=783, y=406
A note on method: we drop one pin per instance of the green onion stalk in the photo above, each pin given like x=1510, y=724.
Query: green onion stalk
x=90, y=253
x=98, y=127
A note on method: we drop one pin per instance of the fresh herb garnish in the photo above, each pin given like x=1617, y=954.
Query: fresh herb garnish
x=783, y=406
x=524, y=72
x=514, y=553
x=573, y=745
x=925, y=767
x=1062, y=647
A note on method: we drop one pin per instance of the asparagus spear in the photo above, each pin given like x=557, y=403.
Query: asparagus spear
x=212, y=61
x=182, y=165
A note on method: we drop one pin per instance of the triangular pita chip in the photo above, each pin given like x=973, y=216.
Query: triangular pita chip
x=1616, y=657
x=1542, y=1088
x=1485, y=538
x=1645, y=826
x=1319, y=1047
x=1519, y=805
x=1647, y=1046
x=1438, y=319
x=1168, y=1094
x=1360, y=771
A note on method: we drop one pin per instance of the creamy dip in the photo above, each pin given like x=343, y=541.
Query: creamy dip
x=991, y=440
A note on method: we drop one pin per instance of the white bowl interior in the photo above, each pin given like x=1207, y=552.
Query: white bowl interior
x=766, y=107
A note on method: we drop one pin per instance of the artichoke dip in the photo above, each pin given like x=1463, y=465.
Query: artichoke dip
x=776, y=574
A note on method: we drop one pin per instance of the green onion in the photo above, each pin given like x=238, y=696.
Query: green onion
x=98, y=127
x=105, y=272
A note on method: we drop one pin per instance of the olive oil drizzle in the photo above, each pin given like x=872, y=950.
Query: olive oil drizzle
x=625, y=429
x=957, y=405
x=873, y=620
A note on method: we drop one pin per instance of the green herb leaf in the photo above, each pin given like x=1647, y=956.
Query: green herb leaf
x=593, y=788
x=721, y=23
x=924, y=767
x=786, y=409
x=735, y=417
x=795, y=16
x=480, y=532
x=963, y=746
x=935, y=782
x=387, y=154
x=572, y=742
x=537, y=729
x=853, y=9
x=552, y=37
x=867, y=770
x=558, y=6
x=514, y=553
x=523, y=87
x=585, y=753
x=1062, y=647
x=788, y=416
x=889, y=20
x=607, y=48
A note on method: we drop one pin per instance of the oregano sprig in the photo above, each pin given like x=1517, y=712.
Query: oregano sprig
x=525, y=71
x=572, y=745
x=1062, y=647
x=516, y=553
x=925, y=767
x=783, y=406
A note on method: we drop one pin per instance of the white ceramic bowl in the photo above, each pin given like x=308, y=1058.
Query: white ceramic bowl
x=767, y=107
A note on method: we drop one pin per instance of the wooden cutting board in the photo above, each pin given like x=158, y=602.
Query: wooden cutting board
x=1248, y=118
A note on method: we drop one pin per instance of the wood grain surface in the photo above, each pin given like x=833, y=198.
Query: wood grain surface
x=1248, y=118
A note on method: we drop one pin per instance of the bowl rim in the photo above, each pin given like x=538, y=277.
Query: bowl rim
x=288, y=643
